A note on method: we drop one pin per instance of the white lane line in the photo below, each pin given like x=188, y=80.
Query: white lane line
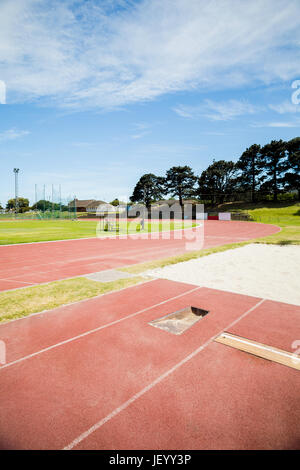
x=135, y=397
x=228, y=237
x=14, y=280
x=86, y=333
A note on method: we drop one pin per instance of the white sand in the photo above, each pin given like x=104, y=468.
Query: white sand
x=266, y=271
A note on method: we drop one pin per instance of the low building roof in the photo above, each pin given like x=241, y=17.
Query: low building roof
x=81, y=202
x=94, y=204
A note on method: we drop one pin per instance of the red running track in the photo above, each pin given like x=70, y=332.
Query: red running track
x=28, y=264
x=96, y=375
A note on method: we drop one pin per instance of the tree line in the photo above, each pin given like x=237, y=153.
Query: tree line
x=42, y=205
x=271, y=169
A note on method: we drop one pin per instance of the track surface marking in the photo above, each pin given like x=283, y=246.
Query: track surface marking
x=124, y=384
x=23, y=265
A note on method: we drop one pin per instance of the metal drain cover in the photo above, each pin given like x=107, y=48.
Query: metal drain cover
x=177, y=322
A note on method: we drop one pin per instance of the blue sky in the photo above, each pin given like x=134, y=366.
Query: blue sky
x=98, y=93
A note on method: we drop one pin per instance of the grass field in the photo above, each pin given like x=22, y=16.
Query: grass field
x=285, y=215
x=288, y=218
x=25, y=231
x=38, y=216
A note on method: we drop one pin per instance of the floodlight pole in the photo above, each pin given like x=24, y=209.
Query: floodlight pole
x=52, y=205
x=16, y=172
x=60, y=200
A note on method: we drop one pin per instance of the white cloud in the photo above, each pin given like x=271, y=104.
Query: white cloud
x=142, y=129
x=285, y=107
x=140, y=135
x=84, y=144
x=285, y=124
x=110, y=53
x=217, y=110
x=2, y=92
x=12, y=134
x=214, y=133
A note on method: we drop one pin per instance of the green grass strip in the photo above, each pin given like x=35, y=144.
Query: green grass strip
x=21, y=302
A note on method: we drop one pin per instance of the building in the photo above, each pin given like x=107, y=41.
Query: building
x=81, y=204
x=93, y=205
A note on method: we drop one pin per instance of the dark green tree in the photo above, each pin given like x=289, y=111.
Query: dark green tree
x=275, y=164
x=115, y=202
x=44, y=205
x=292, y=176
x=180, y=182
x=23, y=204
x=217, y=180
x=250, y=167
x=149, y=188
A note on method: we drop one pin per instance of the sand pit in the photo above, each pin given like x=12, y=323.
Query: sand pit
x=266, y=271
